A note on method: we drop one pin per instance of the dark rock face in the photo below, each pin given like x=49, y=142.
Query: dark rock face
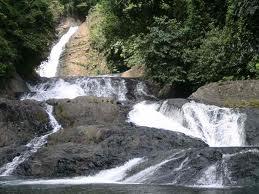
x=86, y=150
x=21, y=121
x=251, y=126
x=232, y=93
x=170, y=91
x=14, y=87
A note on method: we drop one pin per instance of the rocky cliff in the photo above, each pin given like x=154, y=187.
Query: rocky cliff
x=79, y=58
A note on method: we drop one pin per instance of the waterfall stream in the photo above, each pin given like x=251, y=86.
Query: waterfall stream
x=217, y=127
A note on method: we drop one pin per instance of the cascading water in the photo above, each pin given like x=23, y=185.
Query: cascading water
x=218, y=127
x=49, y=68
x=84, y=86
x=46, y=69
x=57, y=88
x=114, y=175
x=145, y=174
x=32, y=146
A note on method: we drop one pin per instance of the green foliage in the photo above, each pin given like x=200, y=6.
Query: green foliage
x=5, y=70
x=164, y=46
x=26, y=30
x=77, y=8
x=57, y=9
x=182, y=42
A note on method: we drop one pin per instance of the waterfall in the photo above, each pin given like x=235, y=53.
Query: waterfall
x=32, y=146
x=84, y=86
x=49, y=68
x=218, y=127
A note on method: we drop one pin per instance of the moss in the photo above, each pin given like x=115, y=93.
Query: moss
x=254, y=103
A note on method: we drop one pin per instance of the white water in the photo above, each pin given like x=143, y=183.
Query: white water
x=49, y=68
x=211, y=178
x=218, y=127
x=32, y=146
x=114, y=175
x=59, y=89
x=145, y=174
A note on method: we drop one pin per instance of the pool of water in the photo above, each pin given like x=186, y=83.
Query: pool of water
x=122, y=189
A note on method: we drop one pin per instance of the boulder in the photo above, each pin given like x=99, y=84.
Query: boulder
x=242, y=93
x=86, y=111
x=21, y=121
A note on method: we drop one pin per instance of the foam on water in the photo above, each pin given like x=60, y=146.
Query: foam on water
x=49, y=68
x=218, y=127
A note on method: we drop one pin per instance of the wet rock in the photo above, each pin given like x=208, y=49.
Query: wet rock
x=176, y=103
x=21, y=121
x=86, y=150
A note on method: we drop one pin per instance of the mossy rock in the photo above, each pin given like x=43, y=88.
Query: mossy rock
x=252, y=103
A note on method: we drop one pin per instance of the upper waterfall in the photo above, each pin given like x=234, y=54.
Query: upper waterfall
x=49, y=68
x=118, y=88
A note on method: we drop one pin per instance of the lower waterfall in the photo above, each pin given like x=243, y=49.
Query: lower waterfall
x=218, y=127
